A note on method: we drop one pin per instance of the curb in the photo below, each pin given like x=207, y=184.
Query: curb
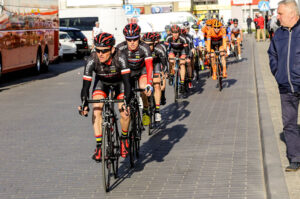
x=275, y=184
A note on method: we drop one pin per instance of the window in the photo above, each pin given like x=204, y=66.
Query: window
x=82, y=23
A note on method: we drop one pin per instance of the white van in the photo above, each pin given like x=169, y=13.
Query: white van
x=112, y=20
x=159, y=21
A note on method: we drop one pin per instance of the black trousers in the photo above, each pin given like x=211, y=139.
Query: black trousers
x=289, y=108
x=249, y=29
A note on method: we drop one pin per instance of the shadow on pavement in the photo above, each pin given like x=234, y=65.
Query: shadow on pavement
x=228, y=82
x=160, y=143
x=27, y=75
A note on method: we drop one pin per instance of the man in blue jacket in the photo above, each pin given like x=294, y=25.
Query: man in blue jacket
x=284, y=56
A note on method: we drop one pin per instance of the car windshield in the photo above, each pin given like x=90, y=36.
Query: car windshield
x=64, y=36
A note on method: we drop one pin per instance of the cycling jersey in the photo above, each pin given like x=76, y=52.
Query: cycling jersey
x=113, y=72
x=205, y=31
x=159, y=57
x=216, y=38
x=198, y=39
x=235, y=30
x=138, y=59
x=228, y=33
x=179, y=45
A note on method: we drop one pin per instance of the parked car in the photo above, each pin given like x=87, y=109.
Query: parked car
x=68, y=47
x=79, y=39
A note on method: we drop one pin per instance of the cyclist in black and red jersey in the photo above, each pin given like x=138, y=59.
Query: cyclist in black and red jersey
x=189, y=59
x=177, y=46
x=111, y=69
x=139, y=59
x=159, y=64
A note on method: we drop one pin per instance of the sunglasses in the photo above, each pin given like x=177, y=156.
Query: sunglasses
x=216, y=28
x=235, y=23
x=102, y=51
x=130, y=40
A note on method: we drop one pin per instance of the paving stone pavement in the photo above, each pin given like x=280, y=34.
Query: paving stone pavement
x=292, y=179
x=208, y=146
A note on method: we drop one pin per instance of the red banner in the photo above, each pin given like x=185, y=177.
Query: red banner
x=244, y=2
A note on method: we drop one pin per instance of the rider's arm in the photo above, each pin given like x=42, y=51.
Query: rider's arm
x=162, y=56
x=209, y=40
x=87, y=78
x=224, y=37
x=148, y=63
x=185, y=45
x=273, y=57
x=125, y=71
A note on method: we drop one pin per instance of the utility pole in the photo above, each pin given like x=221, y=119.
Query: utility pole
x=192, y=6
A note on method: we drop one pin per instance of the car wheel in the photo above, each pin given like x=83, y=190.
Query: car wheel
x=38, y=64
x=0, y=67
x=45, y=60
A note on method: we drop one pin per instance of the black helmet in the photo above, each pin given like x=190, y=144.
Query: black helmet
x=167, y=27
x=235, y=20
x=195, y=27
x=149, y=37
x=175, y=29
x=132, y=31
x=186, y=24
x=104, y=40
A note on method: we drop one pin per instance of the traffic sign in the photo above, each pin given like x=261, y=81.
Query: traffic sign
x=128, y=9
x=264, y=6
x=136, y=12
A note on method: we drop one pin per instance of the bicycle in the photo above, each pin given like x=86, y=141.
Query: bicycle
x=235, y=49
x=110, y=148
x=136, y=126
x=176, y=76
x=219, y=67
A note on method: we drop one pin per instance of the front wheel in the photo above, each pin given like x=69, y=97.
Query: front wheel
x=106, y=161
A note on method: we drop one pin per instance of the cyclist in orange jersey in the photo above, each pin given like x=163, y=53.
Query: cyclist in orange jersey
x=216, y=37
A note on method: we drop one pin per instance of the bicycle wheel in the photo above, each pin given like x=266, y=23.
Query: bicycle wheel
x=131, y=141
x=176, y=86
x=137, y=137
x=151, y=113
x=116, y=147
x=106, y=161
x=236, y=52
x=219, y=72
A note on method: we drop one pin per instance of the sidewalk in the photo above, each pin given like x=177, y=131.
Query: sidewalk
x=292, y=179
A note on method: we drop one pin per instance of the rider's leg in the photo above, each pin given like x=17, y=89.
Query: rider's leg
x=142, y=85
x=214, y=67
x=223, y=60
x=163, y=87
x=171, y=63
x=157, y=95
x=124, y=121
x=239, y=46
x=97, y=122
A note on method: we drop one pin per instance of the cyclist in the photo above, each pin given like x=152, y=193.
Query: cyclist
x=205, y=30
x=237, y=33
x=189, y=58
x=159, y=60
x=177, y=45
x=111, y=69
x=139, y=59
x=199, y=44
x=217, y=37
x=228, y=37
x=165, y=33
x=163, y=72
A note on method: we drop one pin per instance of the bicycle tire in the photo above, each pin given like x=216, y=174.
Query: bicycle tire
x=131, y=141
x=106, y=161
x=116, y=151
x=175, y=82
x=236, y=52
x=219, y=72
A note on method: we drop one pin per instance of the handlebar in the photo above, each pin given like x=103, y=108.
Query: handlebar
x=105, y=101
x=176, y=58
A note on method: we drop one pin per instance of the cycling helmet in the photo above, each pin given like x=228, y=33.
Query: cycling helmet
x=104, y=40
x=167, y=27
x=217, y=24
x=183, y=31
x=235, y=20
x=132, y=31
x=149, y=37
x=157, y=36
x=186, y=24
x=195, y=27
x=175, y=29
x=208, y=22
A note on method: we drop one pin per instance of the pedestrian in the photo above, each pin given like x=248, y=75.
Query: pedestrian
x=260, y=27
x=96, y=30
x=270, y=30
x=249, y=21
x=285, y=66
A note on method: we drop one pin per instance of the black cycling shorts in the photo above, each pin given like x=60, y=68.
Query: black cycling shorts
x=103, y=88
x=218, y=43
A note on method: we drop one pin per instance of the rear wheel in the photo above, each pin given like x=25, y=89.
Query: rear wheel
x=175, y=82
x=219, y=68
x=45, y=60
